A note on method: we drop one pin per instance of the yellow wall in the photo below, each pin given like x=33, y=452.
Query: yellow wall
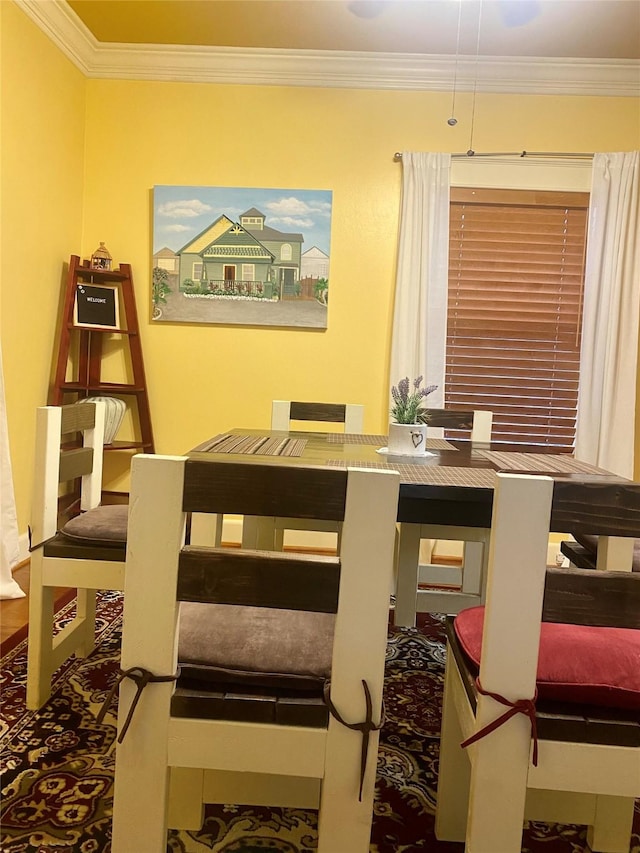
x=204, y=379
x=41, y=165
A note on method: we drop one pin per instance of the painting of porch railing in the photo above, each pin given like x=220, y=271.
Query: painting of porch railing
x=240, y=256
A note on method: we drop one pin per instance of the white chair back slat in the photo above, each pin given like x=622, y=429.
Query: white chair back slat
x=615, y=554
x=482, y=426
x=354, y=418
x=44, y=501
x=280, y=414
x=517, y=567
x=91, y=489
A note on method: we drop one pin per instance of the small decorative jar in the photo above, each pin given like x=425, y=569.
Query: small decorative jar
x=101, y=259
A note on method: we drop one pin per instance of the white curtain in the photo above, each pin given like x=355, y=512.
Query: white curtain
x=9, y=549
x=605, y=430
x=418, y=345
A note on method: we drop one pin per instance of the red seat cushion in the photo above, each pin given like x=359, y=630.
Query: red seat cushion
x=577, y=663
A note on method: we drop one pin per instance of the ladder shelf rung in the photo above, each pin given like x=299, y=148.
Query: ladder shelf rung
x=102, y=331
x=102, y=387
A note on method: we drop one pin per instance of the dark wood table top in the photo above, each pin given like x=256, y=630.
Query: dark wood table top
x=453, y=485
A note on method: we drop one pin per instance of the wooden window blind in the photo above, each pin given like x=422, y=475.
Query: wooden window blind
x=516, y=275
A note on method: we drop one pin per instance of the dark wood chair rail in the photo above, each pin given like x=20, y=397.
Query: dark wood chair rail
x=259, y=579
x=264, y=490
x=328, y=412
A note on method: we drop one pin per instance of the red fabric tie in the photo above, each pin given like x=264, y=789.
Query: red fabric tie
x=520, y=706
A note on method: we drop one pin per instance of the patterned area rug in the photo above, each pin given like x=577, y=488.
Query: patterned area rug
x=57, y=764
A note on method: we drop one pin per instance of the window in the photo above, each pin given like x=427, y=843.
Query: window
x=248, y=272
x=285, y=252
x=197, y=271
x=516, y=274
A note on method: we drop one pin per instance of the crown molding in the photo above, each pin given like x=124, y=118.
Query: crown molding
x=328, y=69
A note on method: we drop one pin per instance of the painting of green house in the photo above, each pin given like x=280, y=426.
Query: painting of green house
x=245, y=265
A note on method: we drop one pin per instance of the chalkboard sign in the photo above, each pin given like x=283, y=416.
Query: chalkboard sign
x=96, y=307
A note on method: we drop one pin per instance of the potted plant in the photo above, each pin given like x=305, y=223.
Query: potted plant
x=409, y=417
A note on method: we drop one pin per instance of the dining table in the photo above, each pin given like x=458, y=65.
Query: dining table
x=449, y=487
x=452, y=484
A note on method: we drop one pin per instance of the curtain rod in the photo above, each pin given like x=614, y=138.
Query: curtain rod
x=557, y=154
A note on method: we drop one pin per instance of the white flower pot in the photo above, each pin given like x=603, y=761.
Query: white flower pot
x=408, y=440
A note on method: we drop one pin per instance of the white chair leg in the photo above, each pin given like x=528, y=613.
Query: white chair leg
x=454, y=773
x=141, y=791
x=407, y=577
x=40, y=645
x=611, y=832
x=186, y=801
x=614, y=554
x=266, y=534
x=499, y=772
x=278, y=539
x=86, y=618
x=206, y=529
x=473, y=564
x=258, y=533
x=344, y=822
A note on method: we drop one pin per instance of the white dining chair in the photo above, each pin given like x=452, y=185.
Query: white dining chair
x=439, y=588
x=75, y=540
x=542, y=686
x=283, y=412
x=262, y=672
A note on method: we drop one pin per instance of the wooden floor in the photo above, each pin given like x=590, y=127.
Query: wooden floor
x=14, y=612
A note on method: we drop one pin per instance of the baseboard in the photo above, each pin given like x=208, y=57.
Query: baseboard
x=23, y=549
x=446, y=560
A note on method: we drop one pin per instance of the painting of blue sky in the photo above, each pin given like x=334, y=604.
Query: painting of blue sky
x=180, y=213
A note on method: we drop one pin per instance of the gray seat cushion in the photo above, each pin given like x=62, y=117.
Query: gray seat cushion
x=255, y=646
x=102, y=525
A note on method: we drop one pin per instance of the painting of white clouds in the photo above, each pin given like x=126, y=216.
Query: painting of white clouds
x=235, y=255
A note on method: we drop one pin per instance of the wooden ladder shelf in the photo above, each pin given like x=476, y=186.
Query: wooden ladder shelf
x=81, y=344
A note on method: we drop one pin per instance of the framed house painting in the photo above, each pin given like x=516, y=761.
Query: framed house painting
x=253, y=257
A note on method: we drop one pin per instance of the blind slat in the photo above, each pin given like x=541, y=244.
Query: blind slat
x=516, y=272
